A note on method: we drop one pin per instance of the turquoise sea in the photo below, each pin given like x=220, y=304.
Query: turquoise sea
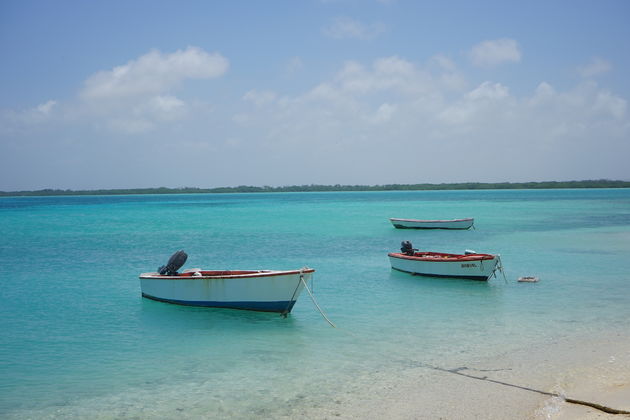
x=78, y=341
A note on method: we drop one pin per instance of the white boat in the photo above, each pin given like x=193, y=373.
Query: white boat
x=255, y=290
x=432, y=224
x=469, y=265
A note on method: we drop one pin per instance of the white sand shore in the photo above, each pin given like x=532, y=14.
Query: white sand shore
x=594, y=370
x=605, y=382
x=501, y=387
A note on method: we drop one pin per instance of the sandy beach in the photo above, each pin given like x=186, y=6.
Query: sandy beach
x=514, y=385
x=509, y=386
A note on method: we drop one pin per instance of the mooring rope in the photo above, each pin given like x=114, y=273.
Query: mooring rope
x=302, y=281
x=501, y=268
x=315, y=302
x=286, y=310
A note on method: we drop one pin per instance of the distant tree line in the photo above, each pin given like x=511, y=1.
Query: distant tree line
x=601, y=183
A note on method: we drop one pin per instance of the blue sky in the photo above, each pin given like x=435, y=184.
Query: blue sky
x=122, y=94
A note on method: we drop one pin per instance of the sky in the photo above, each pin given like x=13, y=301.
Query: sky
x=137, y=94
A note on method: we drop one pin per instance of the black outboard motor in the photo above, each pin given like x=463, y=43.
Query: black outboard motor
x=407, y=248
x=174, y=263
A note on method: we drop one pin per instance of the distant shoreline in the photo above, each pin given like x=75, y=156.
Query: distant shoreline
x=602, y=183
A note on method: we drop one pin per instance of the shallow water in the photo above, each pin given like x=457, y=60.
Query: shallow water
x=77, y=338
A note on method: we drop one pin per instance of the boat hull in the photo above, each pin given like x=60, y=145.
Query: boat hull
x=432, y=224
x=473, y=267
x=267, y=291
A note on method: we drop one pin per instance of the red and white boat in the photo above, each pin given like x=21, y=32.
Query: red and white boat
x=255, y=290
x=470, y=265
x=432, y=224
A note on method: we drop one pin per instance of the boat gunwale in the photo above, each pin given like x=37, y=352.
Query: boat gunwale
x=442, y=257
x=245, y=274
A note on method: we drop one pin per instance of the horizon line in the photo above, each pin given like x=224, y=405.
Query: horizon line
x=599, y=183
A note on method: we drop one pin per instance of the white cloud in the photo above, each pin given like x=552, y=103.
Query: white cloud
x=610, y=104
x=294, y=65
x=167, y=104
x=594, y=67
x=386, y=74
x=543, y=94
x=487, y=98
x=137, y=97
x=154, y=73
x=449, y=75
x=37, y=115
x=347, y=28
x=586, y=101
x=394, y=66
x=488, y=90
x=484, y=133
x=382, y=118
x=145, y=115
x=443, y=62
x=46, y=108
x=163, y=107
x=544, y=90
x=495, y=52
x=453, y=81
x=260, y=97
x=384, y=113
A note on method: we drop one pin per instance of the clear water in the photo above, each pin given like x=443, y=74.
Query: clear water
x=77, y=339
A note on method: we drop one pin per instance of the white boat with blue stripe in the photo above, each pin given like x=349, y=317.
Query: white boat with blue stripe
x=254, y=290
x=461, y=224
x=470, y=265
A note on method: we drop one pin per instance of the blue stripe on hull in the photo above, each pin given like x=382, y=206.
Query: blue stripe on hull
x=276, y=306
x=479, y=278
x=445, y=228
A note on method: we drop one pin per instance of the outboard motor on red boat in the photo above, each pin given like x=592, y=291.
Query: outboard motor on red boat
x=407, y=248
x=174, y=263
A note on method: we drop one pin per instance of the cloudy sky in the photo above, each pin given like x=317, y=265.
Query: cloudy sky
x=126, y=94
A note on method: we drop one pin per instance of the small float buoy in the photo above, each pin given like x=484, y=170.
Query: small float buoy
x=528, y=279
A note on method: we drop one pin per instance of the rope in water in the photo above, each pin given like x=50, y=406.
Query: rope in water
x=315, y=302
x=302, y=281
x=286, y=310
x=501, y=268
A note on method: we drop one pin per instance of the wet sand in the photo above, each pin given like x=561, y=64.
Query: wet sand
x=506, y=386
